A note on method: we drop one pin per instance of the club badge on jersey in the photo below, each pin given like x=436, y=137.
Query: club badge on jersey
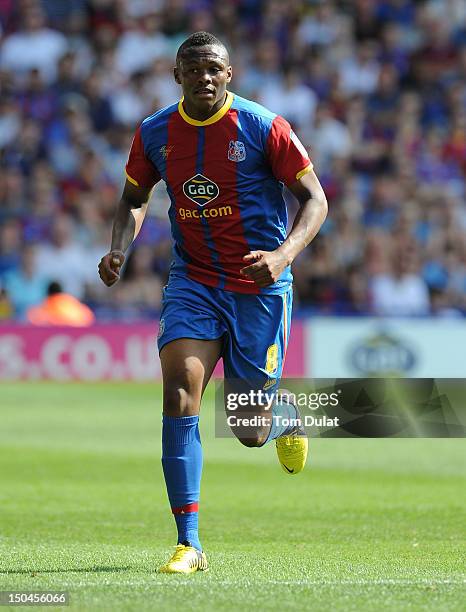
x=236, y=151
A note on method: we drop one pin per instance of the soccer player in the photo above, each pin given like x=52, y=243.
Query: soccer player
x=224, y=160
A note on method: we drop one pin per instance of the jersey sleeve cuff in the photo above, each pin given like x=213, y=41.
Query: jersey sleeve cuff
x=304, y=171
x=131, y=180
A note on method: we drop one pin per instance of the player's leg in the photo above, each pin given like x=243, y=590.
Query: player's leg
x=189, y=345
x=187, y=366
x=256, y=359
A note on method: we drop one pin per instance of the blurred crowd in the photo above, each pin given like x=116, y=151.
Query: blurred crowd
x=376, y=90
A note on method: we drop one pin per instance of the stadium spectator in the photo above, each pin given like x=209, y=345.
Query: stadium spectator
x=6, y=309
x=129, y=102
x=67, y=81
x=141, y=44
x=25, y=285
x=330, y=137
x=60, y=308
x=366, y=22
x=10, y=246
x=64, y=259
x=160, y=85
x=100, y=108
x=320, y=27
x=400, y=291
x=10, y=121
x=291, y=99
x=34, y=46
x=359, y=72
x=36, y=100
x=141, y=286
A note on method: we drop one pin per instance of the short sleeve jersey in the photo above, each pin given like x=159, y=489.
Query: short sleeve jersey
x=224, y=177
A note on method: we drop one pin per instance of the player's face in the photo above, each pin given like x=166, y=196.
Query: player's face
x=203, y=76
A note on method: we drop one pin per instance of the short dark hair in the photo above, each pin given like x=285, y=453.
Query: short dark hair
x=199, y=39
x=54, y=287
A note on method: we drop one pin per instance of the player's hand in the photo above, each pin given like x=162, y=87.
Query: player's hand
x=110, y=266
x=265, y=267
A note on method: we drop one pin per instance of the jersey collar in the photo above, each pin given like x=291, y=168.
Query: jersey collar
x=218, y=115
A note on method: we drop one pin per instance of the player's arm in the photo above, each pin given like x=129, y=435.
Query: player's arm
x=309, y=218
x=142, y=175
x=266, y=266
x=128, y=220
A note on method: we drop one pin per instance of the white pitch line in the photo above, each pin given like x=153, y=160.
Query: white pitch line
x=239, y=583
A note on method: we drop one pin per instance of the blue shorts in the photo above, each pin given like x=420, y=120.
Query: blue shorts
x=254, y=328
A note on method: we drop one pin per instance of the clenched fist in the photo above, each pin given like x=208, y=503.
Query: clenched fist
x=266, y=267
x=110, y=266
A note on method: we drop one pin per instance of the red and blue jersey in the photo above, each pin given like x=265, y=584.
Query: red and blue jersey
x=225, y=178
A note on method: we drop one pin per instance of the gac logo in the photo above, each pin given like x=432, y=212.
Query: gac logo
x=200, y=189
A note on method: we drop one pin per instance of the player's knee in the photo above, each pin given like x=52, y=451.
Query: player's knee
x=251, y=427
x=182, y=392
x=178, y=401
x=252, y=439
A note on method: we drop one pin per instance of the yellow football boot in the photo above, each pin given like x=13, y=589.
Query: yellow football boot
x=292, y=449
x=185, y=560
x=292, y=452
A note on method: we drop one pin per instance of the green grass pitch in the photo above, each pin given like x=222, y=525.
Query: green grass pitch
x=370, y=524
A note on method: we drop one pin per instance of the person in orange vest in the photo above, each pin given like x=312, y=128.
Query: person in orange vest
x=60, y=308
